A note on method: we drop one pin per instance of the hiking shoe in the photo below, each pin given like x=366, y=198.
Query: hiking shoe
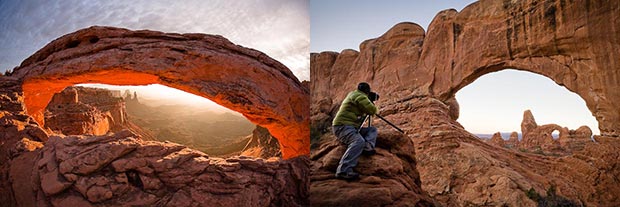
x=369, y=152
x=348, y=176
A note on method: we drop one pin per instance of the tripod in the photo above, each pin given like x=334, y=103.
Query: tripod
x=369, y=118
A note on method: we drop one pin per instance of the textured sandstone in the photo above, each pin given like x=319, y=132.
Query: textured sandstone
x=497, y=139
x=513, y=141
x=79, y=110
x=387, y=178
x=261, y=144
x=540, y=138
x=241, y=79
x=574, y=43
x=119, y=169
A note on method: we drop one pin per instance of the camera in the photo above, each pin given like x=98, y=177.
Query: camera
x=373, y=96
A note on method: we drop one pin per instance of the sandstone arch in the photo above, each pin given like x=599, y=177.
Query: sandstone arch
x=575, y=43
x=241, y=79
x=566, y=42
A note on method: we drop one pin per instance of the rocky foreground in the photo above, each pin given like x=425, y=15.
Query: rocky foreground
x=121, y=169
x=456, y=168
x=387, y=178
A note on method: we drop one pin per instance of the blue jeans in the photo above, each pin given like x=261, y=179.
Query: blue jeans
x=356, y=143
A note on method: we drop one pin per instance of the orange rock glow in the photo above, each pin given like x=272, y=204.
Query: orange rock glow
x=238, y=78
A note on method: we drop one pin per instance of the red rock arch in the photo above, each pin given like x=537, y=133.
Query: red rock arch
x=241, y=79
x=570, y=43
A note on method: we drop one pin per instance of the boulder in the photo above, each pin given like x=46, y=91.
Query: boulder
x=118, y=169
x=387, y=178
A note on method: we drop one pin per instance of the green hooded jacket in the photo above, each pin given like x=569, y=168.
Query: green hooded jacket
x=353, y=109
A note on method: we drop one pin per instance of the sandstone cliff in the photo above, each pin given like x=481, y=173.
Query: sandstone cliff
x=80, y=110
x=572, y=42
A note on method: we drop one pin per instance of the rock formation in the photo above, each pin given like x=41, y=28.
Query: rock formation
x=513, y=141
x=242, y=79
x=261, y=144
x=497, y=139
x=528, y=123
x=540, y=138
x=79, y=110
x=122, y=169
x=576, y=139
x=15, y=125
x=387, y=178
x=574, y=43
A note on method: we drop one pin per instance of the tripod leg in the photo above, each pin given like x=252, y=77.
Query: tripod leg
x=360, y=128
x=390, y=123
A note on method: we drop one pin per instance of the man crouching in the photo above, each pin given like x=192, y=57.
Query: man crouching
x=351, y=115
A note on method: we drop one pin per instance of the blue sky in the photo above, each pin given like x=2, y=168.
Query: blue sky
x=495, y=102
x=344, y=24
x=279, y=28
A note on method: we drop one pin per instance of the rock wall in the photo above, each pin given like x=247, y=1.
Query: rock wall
x=79, y=110
x=572, y=42
x=239, y=78
x=15, y=125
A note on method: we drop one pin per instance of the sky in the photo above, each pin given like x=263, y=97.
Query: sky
x=344, y=24
x=493, y=103
x=279, y=28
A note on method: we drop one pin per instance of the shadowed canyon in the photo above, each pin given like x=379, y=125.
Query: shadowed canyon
x=437, y=162
x=75, y=146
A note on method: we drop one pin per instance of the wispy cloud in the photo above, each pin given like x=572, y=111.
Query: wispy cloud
x=279, y=28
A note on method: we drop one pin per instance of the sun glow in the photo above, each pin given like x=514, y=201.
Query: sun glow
x=158, y=95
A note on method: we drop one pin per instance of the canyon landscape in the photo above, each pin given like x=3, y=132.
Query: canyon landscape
x=96, y=111
x=73, y=146
x=436, y=162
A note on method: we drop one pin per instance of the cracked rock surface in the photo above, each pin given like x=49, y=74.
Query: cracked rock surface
x=120, y=169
